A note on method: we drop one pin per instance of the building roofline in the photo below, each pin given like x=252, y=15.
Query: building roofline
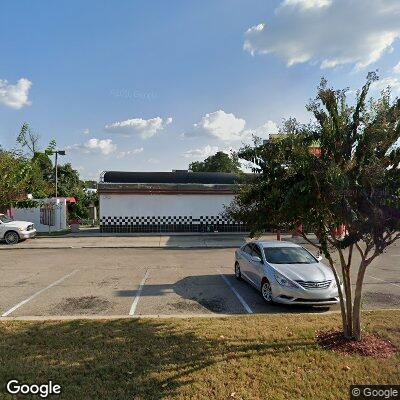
x=177, y=177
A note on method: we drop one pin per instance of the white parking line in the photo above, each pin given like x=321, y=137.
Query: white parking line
x=378, y=279
x=136, y=301
x=38, y=293
x=240, y=298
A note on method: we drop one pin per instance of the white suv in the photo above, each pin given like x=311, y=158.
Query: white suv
x=14, y=231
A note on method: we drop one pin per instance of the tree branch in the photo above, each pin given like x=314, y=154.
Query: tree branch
x=303, y=235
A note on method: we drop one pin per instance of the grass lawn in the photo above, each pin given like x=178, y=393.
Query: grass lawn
x=261, y=357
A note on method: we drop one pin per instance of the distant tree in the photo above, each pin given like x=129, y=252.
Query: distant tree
x=90, y=184
x=219, y=162
x=70, y=185
x=353, y=180
x=45, y=165
x=28, y=140
x=19, y=177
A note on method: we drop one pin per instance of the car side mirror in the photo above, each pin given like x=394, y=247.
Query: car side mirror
x=256, y=259
x=319, y=258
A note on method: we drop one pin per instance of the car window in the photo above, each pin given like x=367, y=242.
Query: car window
x=288, y=255
x=5, y=219
x=256, y=251
x=247, y=248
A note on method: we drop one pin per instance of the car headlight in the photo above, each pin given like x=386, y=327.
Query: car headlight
x=283, y=281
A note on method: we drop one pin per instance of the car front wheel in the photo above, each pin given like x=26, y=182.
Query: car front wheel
x=238, y=274
x=11, y=237
x=266, y=291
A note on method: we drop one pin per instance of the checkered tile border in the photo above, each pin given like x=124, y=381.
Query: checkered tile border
x=170, y=224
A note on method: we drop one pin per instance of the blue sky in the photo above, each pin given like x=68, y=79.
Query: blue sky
x=155, y=85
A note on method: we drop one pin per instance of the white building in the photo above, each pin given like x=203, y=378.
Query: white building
x=50, y=215
x=179, y=201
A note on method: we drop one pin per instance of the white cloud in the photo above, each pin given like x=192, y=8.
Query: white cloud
x=328, y=32
x=128, y=153
x=201, y=153
x=219, y=125
x=270, y=127
x=227, y=127
x=396, y=68
x=383, y=83
x=307, y=4
x=86, y=131
x=15, y=96
x=94, y=145
x=145, y=128
x=105, y=146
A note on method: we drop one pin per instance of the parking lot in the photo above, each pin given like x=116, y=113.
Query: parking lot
x=139, y=282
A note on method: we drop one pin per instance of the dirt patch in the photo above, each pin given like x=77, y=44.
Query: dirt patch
x=369, y=346
x=185, y=306
x=107, y=282
x=84, y=305
x=21, y=283
x=215, y=304
x=195, y=304
x=381, y=299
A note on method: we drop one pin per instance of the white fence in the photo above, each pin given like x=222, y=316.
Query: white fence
x=49, y=216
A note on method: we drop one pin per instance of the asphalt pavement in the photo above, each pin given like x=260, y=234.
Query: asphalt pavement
x=129, y=282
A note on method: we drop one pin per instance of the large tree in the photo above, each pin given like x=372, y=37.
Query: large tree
x=30, y=143
x=70, y=185
x=19, y=176
x=219, y=162
x=353, y=180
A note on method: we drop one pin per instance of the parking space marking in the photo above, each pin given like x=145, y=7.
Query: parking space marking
x=378, y=279
x=38, y=293
x=240, y=298
x=136, y=301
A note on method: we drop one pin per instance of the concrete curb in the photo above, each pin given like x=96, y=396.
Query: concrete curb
x=171, y=316
x=121, y=247
x=152, y=242
x=149, y=235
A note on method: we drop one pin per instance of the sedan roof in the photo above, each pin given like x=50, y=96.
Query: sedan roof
x=276, y=243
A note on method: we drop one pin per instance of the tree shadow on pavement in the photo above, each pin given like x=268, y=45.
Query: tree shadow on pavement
x=210, y=293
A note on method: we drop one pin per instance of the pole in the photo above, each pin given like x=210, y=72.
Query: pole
x=56, y=173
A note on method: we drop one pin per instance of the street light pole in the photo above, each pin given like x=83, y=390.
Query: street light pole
x=61, y=153
x=56, y=173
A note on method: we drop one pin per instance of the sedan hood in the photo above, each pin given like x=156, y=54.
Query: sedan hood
x=316, y=272
x=18, y=224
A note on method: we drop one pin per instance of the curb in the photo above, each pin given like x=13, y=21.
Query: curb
x=171, y=316
x=120, y=247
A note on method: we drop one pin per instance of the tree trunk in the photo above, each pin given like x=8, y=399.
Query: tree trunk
x=348, y=301
x=343, y=308
x=357, y=302
x=347, y=328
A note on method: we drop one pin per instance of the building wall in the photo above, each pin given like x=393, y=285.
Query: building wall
x=59, y=207
x=165, y=213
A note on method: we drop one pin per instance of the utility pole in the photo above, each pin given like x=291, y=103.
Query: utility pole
x=61, y=153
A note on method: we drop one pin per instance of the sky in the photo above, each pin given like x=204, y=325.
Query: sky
x=145, y=85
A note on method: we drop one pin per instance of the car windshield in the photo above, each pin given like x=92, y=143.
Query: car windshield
x=5, y=219
x=288, y=255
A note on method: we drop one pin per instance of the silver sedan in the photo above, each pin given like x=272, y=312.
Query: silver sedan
x=286, y=273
